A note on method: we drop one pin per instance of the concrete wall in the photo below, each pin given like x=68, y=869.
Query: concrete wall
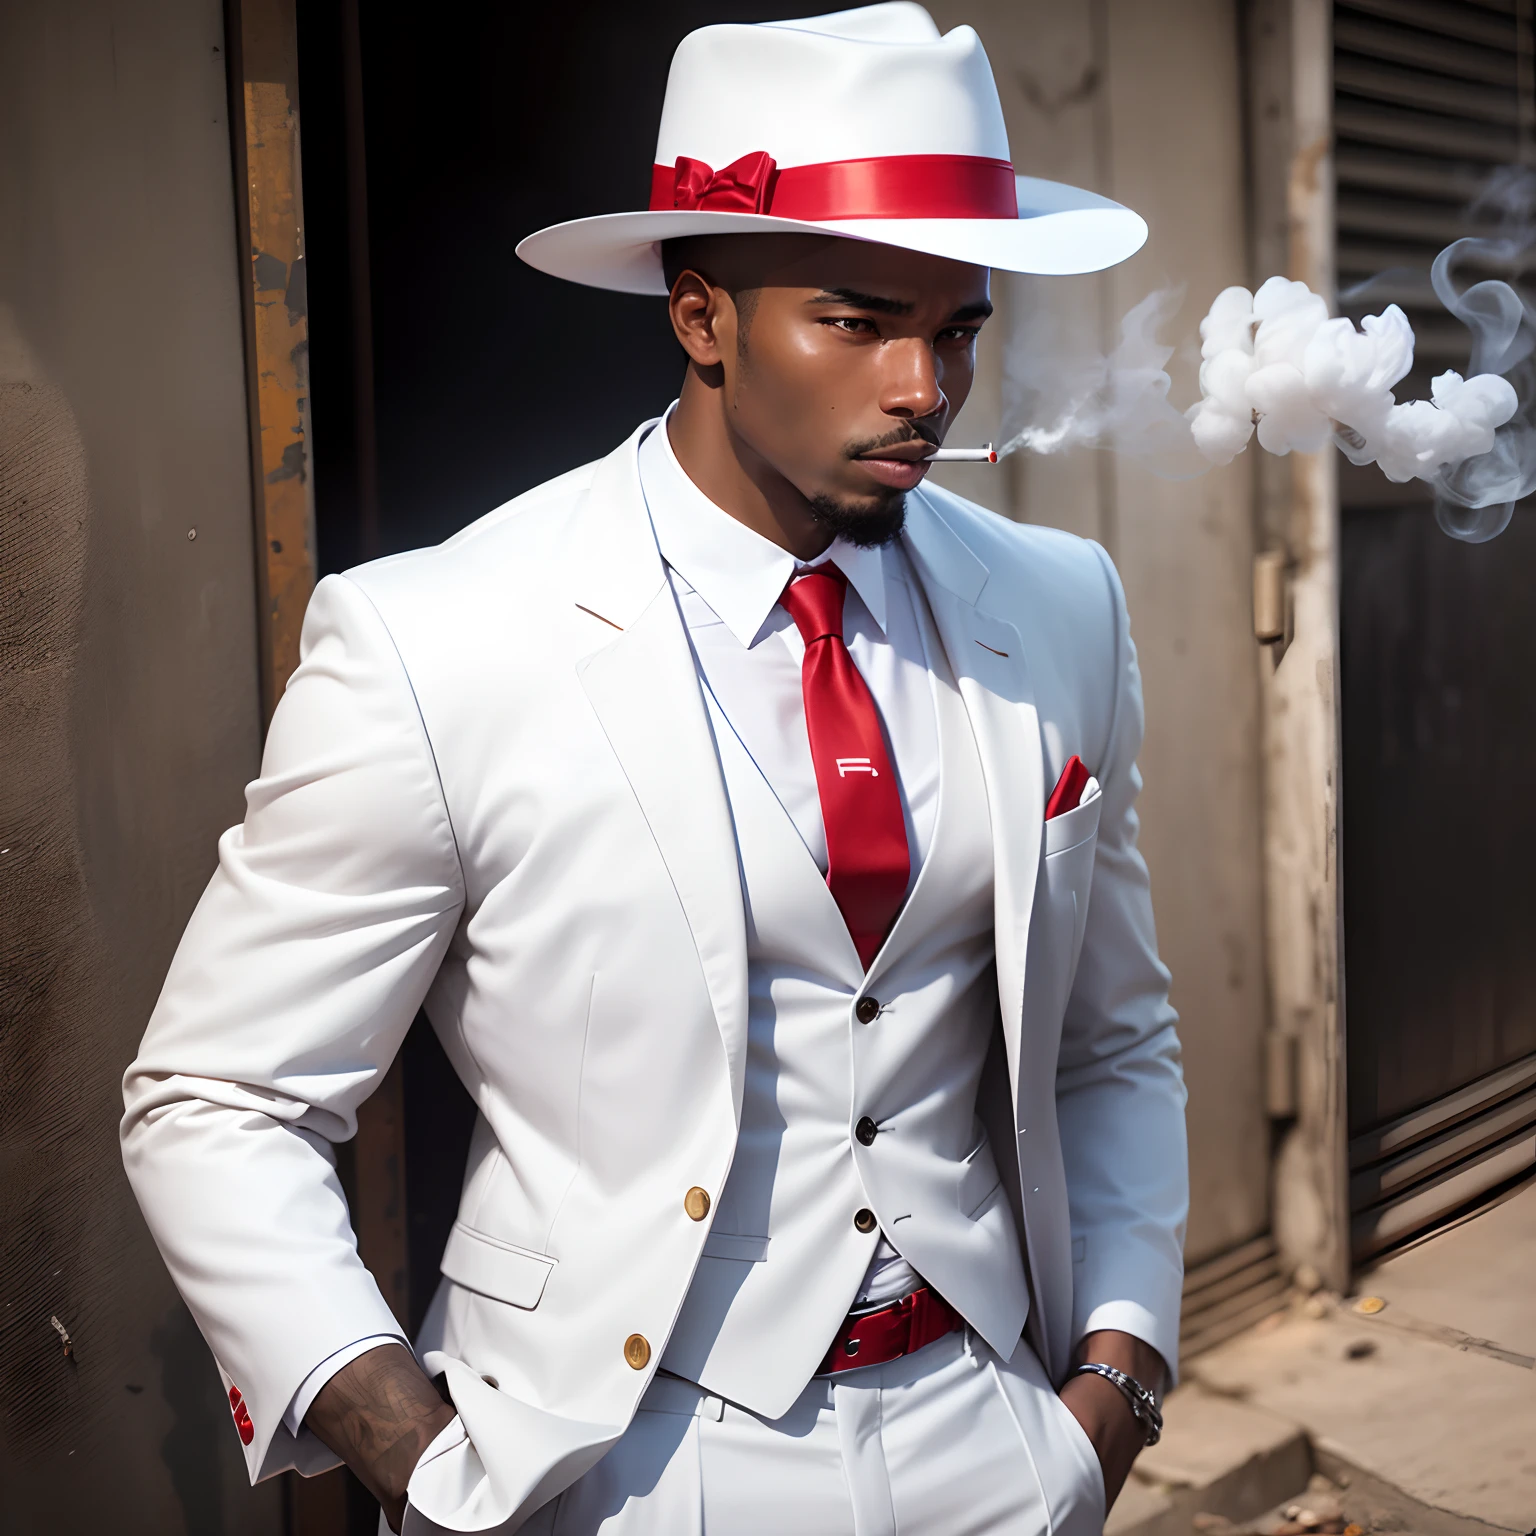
x=128, y=726
x=1143, y=103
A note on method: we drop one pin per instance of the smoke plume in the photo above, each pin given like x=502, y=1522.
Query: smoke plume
x=1275, y=365
x=1082, y=400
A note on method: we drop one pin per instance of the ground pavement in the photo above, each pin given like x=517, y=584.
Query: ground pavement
x=1409, y=1406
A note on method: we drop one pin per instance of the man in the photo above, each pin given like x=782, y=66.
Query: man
x=830, y=1108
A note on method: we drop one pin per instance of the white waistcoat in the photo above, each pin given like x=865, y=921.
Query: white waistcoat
x=784, y=1258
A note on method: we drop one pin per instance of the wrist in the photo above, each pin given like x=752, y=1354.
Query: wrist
x=392, y=1466
x=1125, y=1352
x=1139, y=1402
x=379, y=1413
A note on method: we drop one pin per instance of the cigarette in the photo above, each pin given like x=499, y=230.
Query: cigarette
x=986, y=454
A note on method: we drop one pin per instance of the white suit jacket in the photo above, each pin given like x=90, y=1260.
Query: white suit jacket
x=491, y=787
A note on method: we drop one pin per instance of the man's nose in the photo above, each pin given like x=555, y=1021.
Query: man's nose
x=910, y=387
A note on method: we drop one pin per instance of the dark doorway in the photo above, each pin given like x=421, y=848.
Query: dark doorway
x=472, y=376
x=488, y=377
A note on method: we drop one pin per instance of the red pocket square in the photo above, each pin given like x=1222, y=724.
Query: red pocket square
x=1069, y=788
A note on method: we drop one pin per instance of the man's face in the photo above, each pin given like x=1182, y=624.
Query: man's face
x=842, y=364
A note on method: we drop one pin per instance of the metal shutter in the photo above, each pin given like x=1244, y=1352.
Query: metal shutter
x=1430, y=97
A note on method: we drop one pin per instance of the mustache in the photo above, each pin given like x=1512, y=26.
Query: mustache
x=915, y=432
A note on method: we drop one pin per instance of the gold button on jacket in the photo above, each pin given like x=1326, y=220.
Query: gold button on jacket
x=637, y=1351
x=696, y=1203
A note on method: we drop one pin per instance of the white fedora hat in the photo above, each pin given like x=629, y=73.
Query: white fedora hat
x=866, y=124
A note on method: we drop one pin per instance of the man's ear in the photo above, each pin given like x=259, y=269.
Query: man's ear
x=704, y=319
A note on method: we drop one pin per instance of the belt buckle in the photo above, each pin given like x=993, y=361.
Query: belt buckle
x=848, y=1345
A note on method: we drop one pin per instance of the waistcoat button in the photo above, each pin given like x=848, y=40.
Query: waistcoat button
x=696, y=1203
x=864, y=1221
x=637, y=1353
x=866, y=1130
x=867, y=1010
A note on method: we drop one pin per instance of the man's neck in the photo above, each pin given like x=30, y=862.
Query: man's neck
x=737, y=479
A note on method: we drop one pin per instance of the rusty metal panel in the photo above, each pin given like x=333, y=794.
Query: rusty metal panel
x=285, y=500
x=271, y=215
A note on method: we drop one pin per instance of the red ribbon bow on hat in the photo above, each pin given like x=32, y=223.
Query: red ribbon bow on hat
x=744, y=186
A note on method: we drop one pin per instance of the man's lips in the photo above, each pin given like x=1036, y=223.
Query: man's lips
x=898, y=474
x=911, y=451
x=900, y=466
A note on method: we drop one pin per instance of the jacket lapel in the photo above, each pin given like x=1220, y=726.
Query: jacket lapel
x=643, y=685
x=644, y=688
x=987, y=656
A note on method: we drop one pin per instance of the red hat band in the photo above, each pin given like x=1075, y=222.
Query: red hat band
x=884, y=187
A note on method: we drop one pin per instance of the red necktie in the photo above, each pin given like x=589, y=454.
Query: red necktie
x=867, y=859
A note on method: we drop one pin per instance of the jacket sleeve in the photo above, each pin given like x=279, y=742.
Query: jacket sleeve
x=292, y=988
x=1120, y=1086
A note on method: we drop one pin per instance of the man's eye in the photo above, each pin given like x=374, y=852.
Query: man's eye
x=855, y=325
x=961, y=333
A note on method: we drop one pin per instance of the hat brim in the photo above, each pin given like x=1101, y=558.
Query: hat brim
x=1060, y=230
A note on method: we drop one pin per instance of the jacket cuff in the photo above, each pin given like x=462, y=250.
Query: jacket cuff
x=260, y=1404
x=279, y=1451
x=314, y=1383
x=1133, y=1318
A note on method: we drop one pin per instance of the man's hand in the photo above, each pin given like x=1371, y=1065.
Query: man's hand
x=1100, y=1406
x=379, y=1414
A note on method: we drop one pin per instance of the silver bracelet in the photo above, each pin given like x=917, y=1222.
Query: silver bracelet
x=1143, y=1404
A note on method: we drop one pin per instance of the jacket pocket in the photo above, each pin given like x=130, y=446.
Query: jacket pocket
x=496, y=1269
x=1074, y=826
x=1066, y=873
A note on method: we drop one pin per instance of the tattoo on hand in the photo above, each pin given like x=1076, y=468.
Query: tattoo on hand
x=379, y=1413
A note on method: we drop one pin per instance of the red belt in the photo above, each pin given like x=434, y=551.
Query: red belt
x=874, y=1338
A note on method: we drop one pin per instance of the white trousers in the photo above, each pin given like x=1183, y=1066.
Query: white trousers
x=950, y=1441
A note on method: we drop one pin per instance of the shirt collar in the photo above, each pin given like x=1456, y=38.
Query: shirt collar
x=738, y=572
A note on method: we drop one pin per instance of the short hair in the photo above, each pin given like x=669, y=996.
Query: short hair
x=697, y=253
x=685, y=253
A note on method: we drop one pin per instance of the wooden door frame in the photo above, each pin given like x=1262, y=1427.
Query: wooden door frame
x=264, y=90
x=1289, y=68
x=262, y=42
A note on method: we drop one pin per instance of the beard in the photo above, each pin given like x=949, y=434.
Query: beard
x=862, y=526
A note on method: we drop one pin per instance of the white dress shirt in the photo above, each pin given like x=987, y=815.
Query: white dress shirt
x=728, y=580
